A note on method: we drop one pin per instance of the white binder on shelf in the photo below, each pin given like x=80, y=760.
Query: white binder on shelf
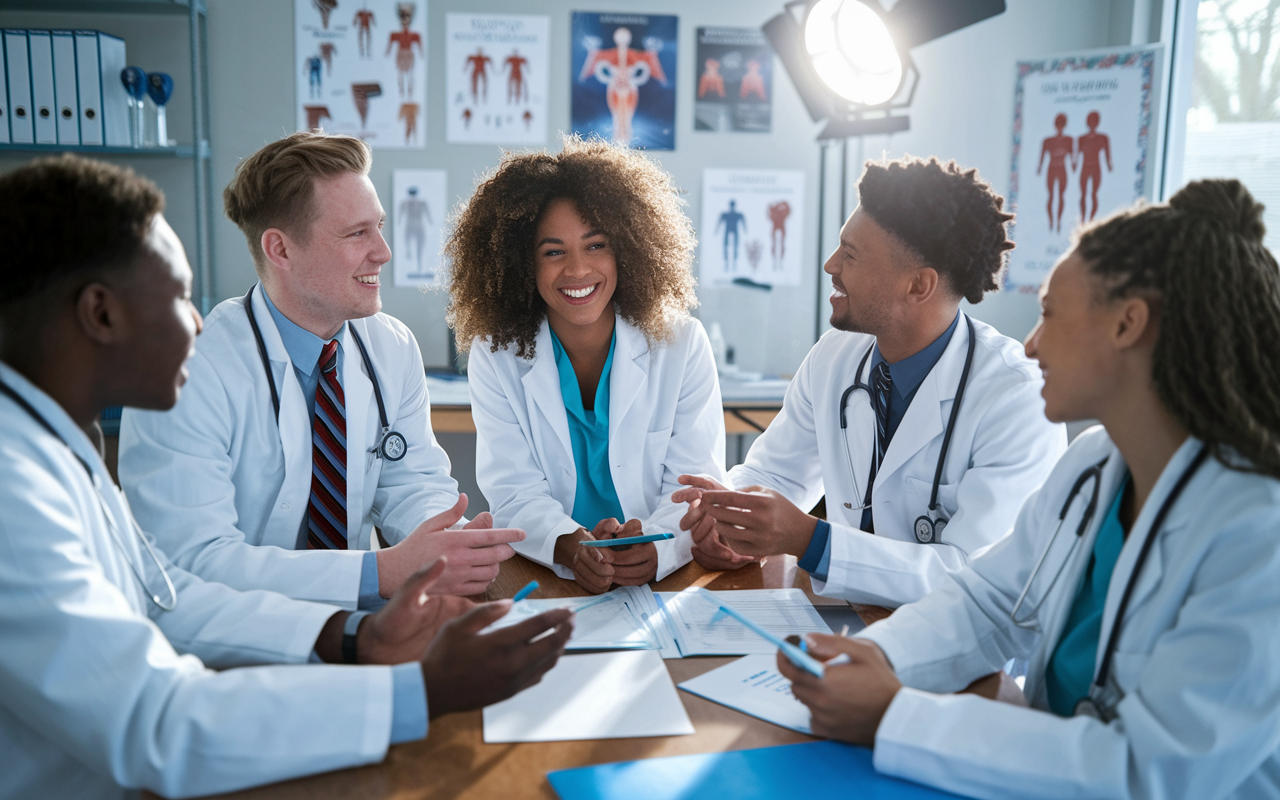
x=115, y=100
x=66, y=100
x=4, y=99
x=44, y=112
x=89, y=87
x=18, y=72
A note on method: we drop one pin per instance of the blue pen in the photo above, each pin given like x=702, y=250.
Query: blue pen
x=794, y=654
x=525, y=592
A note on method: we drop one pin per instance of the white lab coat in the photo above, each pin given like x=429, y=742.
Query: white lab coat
x=93, y=695
x=1001, y=450
x=665, y=420
x=1195, y=661
x=219, y=457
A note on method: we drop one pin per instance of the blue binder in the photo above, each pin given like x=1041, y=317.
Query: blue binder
x=817, y=769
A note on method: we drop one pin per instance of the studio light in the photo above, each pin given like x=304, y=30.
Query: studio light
x=850, y=59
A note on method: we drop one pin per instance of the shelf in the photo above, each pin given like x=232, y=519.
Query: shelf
x=181, y=151
x=175, y=7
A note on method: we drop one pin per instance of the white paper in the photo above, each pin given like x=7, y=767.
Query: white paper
x=616, y=695
x=417, y=213
x=752, y=222
x=362, y=69
x=624, y=619
x=780, y=611
x=496, y=78
x=753, y=686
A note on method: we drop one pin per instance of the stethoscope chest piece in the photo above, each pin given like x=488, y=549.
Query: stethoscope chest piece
x=928, y=530
x=393, y=446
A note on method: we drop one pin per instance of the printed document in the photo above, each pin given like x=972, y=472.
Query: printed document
x=753, y=686
x=698, y=630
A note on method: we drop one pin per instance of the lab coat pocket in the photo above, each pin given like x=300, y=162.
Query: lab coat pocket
x=1127, y=668
x=656, y=444
x=920, y=491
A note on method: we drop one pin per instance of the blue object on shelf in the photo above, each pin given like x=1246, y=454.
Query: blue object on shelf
x=817, y=769
x=135, y=82
x=160, y=87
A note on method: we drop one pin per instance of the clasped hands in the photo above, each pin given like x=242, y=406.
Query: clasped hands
x=733, y=528
x=597, y=568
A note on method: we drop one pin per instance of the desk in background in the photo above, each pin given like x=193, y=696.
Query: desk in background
x=454, y=762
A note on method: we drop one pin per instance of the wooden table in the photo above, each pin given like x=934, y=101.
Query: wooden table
x=454, y=762
x=739, y=417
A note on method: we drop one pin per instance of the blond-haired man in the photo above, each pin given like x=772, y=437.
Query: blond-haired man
x=306, y=419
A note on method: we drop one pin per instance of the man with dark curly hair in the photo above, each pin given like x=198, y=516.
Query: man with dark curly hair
x=592, y=388
x=921, y=425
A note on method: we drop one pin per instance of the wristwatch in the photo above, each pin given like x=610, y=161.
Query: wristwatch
x=349, y=629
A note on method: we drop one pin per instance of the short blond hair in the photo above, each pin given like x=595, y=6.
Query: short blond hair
x=275, y=187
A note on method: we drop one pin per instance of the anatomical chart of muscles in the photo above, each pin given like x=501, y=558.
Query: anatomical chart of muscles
x=623, y=77
x=362, y=69
x=496, y=78
x=416, y=214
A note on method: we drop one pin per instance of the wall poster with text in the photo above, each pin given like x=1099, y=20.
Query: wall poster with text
x=1081, y=133
x=496, y=78
x=416, y=213
x=362, y=69
x=734, y=75
x=752, y=221
x=623, y=74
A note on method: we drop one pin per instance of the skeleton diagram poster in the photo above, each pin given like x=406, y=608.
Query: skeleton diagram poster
x=1080, y=136
x=496, y=78
x=416, y=214
x=734, y=81
x=623, y=72
x=362, y=69
x=752, y=221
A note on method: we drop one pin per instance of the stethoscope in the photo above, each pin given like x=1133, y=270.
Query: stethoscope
x=106, y=513
x=928, y=527
x=391, y=445
x=1101, y=702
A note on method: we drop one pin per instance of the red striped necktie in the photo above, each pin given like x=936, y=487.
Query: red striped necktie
x=327, y=510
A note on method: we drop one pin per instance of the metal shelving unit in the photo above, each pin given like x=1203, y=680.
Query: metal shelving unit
x=199, y=151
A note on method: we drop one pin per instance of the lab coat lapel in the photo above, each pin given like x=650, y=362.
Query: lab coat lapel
x=628, y=379
x=543, y=395
x=293, y=423
x=924, y=419
x=357, y=391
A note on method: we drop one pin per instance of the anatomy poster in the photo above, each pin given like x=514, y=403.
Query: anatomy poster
x=623, y=71
x=1081, y=132
x=362, y=69
x=496, y=78
x=752, y=224
x=417, y=213
x=734, y=77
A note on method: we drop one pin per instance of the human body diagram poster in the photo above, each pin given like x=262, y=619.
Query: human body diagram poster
x=496, y=78
x=362, y=69
x=752, y=223
x=734, y=81
x=417, y=214
x=1081, y=131
x=623, y=72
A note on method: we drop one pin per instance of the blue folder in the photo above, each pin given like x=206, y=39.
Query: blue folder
x=818, y=769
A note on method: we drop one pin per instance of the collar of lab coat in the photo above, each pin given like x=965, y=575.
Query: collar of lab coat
x=924, y=419
x=295, y=427
x=627, y=379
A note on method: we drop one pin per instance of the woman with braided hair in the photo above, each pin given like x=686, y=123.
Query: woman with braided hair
x=1142, y=581
x=591, y=386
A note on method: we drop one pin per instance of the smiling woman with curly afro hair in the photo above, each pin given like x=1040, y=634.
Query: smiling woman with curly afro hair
x=592, y=388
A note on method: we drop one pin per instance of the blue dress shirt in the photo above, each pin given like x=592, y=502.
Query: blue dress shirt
x=408, y=690
x=595, y=497
x=907, y=375
x=1071, y=666
x=304, y=349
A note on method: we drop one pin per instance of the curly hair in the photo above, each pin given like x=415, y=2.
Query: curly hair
x=492, y=280
x=1217, y=291
x=949, y=217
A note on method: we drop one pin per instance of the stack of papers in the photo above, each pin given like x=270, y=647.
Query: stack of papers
x=696, y=630
x=615, y=695
x=626, y=618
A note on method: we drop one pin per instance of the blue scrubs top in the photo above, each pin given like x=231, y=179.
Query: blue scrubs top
x=1071, y=667
x=595, y=498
